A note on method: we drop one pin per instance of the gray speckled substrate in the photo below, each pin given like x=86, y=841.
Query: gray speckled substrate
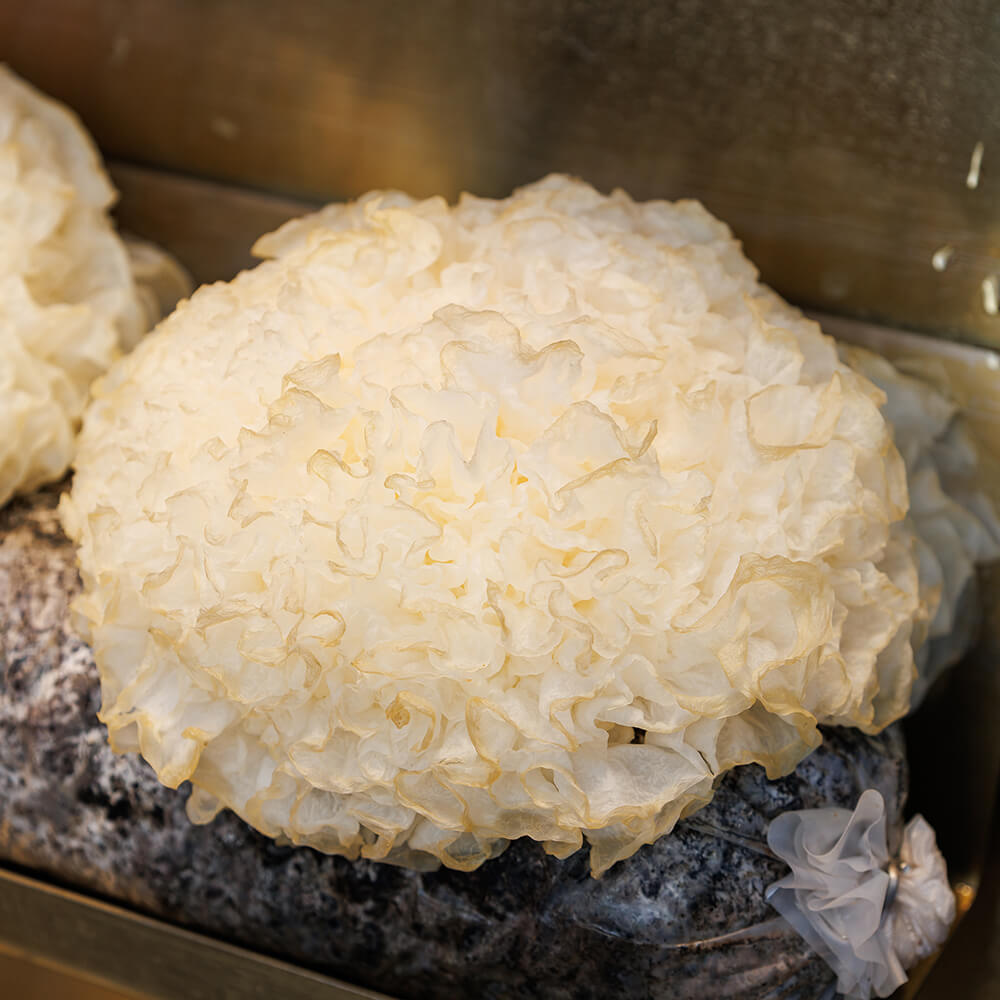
x=683, y=918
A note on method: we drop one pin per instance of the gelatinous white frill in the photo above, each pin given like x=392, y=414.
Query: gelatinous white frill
x=450, y=525
x=73, y=298
x=836, y=894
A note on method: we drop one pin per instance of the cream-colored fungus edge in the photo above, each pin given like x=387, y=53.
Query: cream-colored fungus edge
x=68, y=303
x=451, y=525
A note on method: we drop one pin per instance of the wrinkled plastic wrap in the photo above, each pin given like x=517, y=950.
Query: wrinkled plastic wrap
x=838, y=895
x=952, y=513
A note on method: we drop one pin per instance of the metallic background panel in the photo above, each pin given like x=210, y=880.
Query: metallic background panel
x=833, y=135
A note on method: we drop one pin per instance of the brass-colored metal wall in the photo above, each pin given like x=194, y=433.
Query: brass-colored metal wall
x=834, y=135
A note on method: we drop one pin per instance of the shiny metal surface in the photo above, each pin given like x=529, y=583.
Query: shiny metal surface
x=894, y=870
x=26, y=979
x=127, y=952
x=208, y=226
x=835, y=136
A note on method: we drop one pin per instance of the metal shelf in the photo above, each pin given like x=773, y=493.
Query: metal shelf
x=141, y=956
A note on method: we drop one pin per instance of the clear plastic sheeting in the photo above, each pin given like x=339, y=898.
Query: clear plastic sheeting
x=841, y=899
x=952, y=516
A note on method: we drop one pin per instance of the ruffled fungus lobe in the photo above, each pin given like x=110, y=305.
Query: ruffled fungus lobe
x=448, y=526
x=67, y=298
